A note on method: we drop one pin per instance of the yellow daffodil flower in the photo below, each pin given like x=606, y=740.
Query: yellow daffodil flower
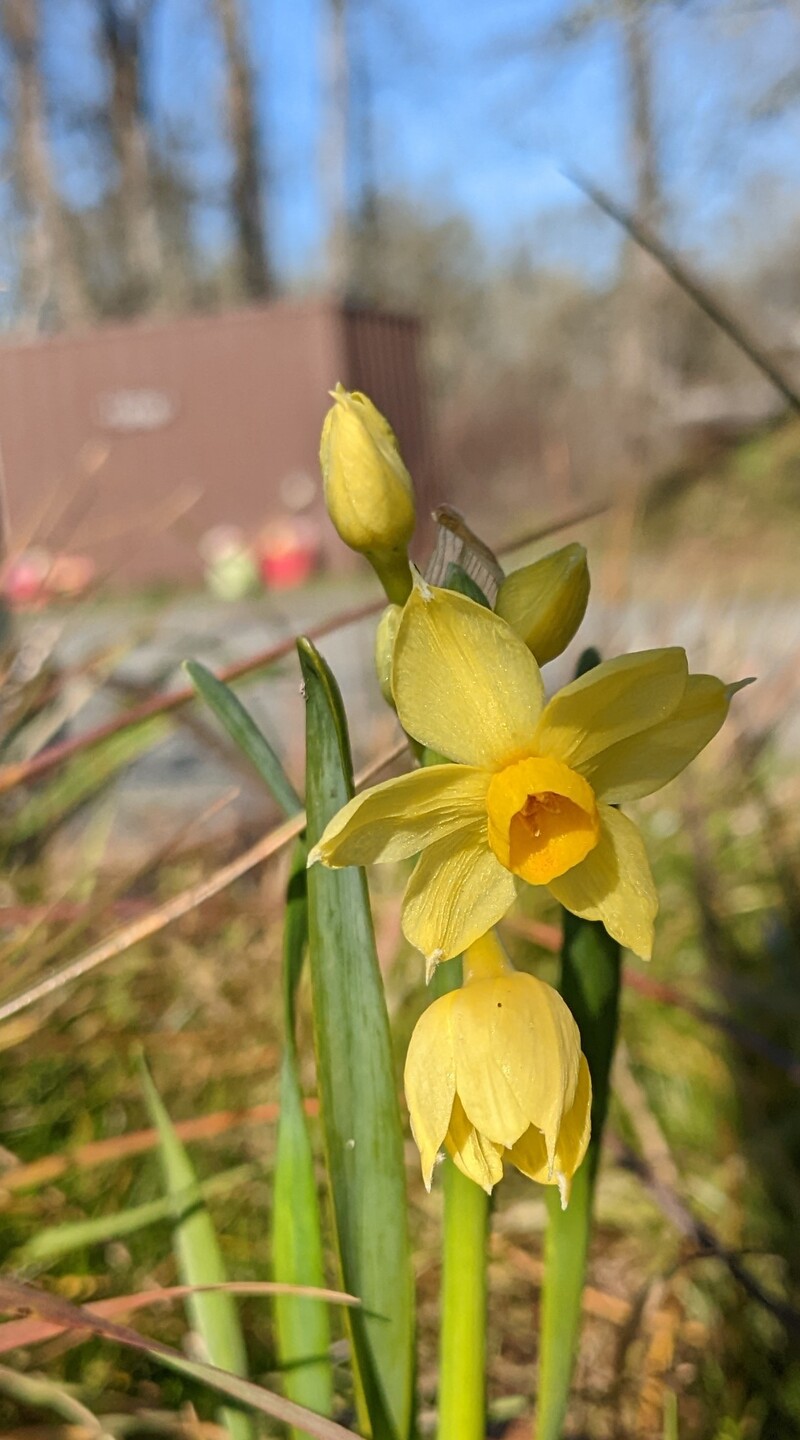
x=545, y=602
x=530, y=793
x=368, y=491
x=494, y=1073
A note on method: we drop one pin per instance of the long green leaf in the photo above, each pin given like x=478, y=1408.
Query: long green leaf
x=359, y=1107
x=243, y=730
x=303, y=1326
x=58, y=1240
x=590, y=984
x=215, y=1317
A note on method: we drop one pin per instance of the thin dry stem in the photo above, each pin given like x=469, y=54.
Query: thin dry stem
x=180, y=905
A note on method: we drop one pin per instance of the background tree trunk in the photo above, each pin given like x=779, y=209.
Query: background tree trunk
x=639, y=367
x=247, y=186
x=50, y=270
x=121, y=37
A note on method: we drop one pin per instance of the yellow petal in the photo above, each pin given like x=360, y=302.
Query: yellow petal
x=464, y=684
x=617, y=699
x=516, y=1051
x=614, y=884
x=402, y=816
x=645, y=762
x=476, y=1157
x=457, y=892
x=429, y=1080
x=530, y=1152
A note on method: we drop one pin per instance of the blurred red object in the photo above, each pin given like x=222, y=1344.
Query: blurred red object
x=35, y=577
x=288, y=553
x=24, y=578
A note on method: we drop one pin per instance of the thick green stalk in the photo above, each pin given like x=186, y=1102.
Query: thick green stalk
x=394, y=572
x=462, y=1341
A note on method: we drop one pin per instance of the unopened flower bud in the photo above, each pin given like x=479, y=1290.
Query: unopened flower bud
x=368, y=490
x=384, y=649
x=545, y=602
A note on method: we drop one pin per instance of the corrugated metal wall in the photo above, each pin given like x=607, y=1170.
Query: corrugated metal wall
x=129, y=442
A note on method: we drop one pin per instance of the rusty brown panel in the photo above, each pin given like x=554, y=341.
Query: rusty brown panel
x=222, y=409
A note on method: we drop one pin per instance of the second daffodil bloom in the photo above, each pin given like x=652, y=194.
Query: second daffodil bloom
x=494, y=1073
x=530, y=793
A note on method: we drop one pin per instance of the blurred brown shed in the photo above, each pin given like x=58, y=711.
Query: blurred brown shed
x=128, y=442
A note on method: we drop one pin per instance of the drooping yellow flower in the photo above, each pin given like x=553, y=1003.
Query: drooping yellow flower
x=545, y=602
x=531, y=790
x=494, y=1073
x=368, y=491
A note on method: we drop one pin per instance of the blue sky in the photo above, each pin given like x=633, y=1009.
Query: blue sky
x=469, y=114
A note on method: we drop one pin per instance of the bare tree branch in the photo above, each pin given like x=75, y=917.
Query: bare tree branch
x=692, y=285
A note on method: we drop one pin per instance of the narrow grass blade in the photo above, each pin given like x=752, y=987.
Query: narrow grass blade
x=81, y=782
x=671, y=1429
x=59, y=1240
x=358, y=1098
x=244, y=732
x=303, y=1326
x=590, y=985
x=214, y=1316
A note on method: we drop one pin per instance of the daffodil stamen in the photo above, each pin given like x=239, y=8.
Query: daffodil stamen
x=543, y=819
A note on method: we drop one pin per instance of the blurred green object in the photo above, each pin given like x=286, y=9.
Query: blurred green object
x=231, y=572
x=58, y=1240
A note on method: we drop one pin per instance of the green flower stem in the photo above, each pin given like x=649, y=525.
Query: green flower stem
x=462, y=1324
x=394, y=572
x=462, y=1341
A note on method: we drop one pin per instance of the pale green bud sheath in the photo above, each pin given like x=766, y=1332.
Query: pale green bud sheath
x=368, y=491
x=544, y=603
x=385, y=636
